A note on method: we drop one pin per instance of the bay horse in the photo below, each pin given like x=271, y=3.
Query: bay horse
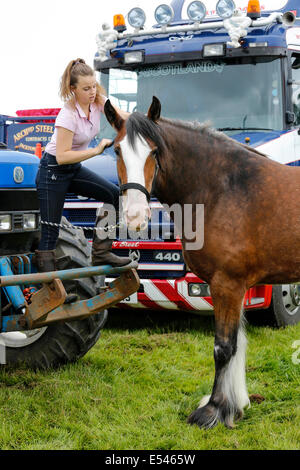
x=251, y=226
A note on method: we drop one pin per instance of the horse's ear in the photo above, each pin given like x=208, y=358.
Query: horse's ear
x=112, y=116
x=154, y=110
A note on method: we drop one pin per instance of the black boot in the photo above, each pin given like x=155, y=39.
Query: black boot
x=101, y=250
x=45, y=262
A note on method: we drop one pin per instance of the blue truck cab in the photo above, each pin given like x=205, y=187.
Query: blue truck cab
x=234, y=64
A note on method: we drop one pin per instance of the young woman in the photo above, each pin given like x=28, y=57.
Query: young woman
x=60, y=171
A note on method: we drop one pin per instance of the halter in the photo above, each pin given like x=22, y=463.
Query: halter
x=140, y=187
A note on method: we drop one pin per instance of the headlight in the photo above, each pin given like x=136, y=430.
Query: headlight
x=5, y=223
x=133, y=57
x=136, y=18
x=194, y=289
x=164, y=14
x=196, y=11
x=214, y=50
x=29, y=222
x=199, y=290
x=225, y=8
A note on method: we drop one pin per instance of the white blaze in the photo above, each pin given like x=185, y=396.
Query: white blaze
x=135, y=205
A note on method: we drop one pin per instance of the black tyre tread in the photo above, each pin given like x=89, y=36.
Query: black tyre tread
x=65, y=342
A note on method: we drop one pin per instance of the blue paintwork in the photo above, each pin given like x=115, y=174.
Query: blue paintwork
x=155, y=45
x=14, y=293
x=258, y=137
x=9, y=160
x=104, y=165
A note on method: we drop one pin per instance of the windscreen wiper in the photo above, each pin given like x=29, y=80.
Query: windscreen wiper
x=244, y=129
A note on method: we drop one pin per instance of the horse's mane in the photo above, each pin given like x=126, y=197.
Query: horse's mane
x=206, y=128
x=139, y=124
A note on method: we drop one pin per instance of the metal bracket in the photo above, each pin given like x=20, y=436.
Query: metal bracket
x=41, y=311
x=49, y=297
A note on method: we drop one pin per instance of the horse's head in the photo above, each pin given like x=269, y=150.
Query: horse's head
x=137, y=145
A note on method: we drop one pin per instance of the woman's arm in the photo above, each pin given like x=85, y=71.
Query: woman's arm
x=64, y=153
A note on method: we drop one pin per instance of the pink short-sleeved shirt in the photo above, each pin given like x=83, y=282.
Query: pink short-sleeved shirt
x=75, y=120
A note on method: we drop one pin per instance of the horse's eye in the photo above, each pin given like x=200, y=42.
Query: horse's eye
x=117, y=152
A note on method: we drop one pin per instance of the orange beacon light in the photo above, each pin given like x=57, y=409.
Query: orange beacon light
x=119, y=23
x=253, y=9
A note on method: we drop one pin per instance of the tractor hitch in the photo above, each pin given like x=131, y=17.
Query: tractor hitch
x=47, y=306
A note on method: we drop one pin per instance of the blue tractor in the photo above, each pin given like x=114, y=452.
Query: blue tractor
x=36, y=327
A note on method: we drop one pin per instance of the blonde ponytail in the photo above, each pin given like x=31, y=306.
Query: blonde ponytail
x=74, y=69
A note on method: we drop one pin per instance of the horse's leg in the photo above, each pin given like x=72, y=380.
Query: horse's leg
x=229, y=395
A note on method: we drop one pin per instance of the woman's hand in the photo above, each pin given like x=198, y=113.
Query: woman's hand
x=105, y=143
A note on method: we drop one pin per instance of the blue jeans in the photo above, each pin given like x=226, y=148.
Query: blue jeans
x=54, y=181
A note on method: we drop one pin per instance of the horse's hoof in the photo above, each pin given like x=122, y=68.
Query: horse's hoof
x=206, y=417
x=210, y=415
x=239, y=415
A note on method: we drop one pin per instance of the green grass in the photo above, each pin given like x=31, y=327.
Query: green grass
x=136, y=387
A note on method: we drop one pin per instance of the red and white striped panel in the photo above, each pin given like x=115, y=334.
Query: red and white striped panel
x=168, y=294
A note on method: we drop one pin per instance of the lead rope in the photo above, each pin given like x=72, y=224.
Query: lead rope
x=108, y=229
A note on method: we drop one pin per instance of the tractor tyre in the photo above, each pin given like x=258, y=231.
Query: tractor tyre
x=62, y=343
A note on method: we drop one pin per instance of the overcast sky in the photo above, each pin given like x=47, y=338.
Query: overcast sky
x=39, y=38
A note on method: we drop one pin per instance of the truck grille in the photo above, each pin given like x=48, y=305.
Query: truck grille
x=18, y=221
x=81, y=216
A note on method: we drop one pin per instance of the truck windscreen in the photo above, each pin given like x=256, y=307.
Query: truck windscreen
x=231, y=94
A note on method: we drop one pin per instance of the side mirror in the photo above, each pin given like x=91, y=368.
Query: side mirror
x=290, y=117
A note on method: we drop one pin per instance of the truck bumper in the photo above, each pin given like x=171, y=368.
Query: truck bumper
x=174, y=294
